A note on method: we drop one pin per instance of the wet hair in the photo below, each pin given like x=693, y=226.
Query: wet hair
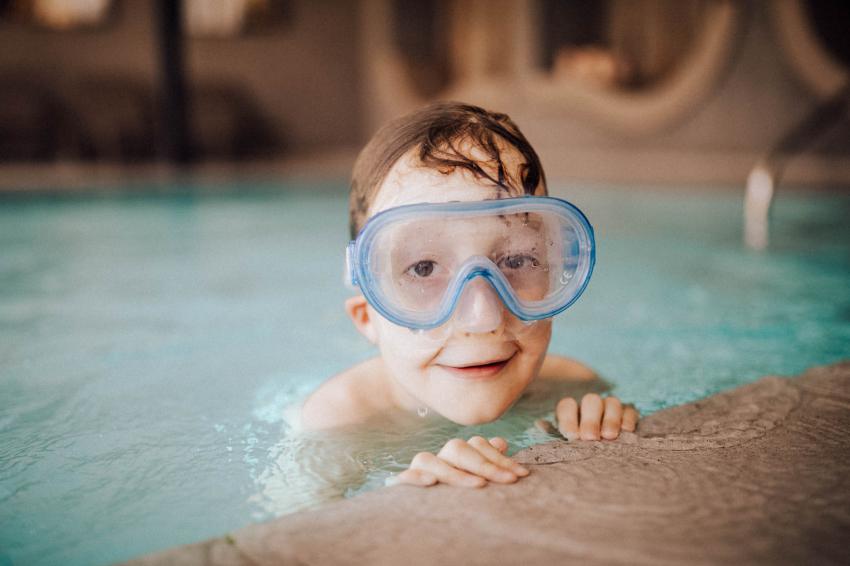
x=444, y=136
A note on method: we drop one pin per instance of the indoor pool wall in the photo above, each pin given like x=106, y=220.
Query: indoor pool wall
x=149, y=344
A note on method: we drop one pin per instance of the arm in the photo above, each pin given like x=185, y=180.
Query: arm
x=351, y=397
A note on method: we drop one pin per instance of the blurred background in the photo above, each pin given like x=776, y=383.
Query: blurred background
x=637, y=91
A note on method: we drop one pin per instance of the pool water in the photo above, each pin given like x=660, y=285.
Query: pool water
x=148, y=345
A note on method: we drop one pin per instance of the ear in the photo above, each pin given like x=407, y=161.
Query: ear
x=358, y=310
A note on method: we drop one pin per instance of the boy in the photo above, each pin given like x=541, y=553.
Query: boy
x=462, y=261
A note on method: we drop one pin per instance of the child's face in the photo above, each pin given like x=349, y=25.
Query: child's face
x=469, y=372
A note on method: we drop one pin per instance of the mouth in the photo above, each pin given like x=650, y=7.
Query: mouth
x=478, y=371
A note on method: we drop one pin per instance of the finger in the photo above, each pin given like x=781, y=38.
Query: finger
x=630, y=419
x=445, y=473
x=488, y=451
x=412, y=477
x=463, y=456
x=612, y=418
x=566, y=413
x=590, y=416
x=499, y=444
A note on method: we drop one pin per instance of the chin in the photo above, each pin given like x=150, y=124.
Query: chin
x=466, y=417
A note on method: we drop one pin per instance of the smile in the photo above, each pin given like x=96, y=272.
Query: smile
x=478, y=371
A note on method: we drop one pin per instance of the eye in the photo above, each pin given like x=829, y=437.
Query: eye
x=422, y=268
x=519, y=261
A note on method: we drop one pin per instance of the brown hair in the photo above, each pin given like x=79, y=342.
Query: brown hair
x=437, y=130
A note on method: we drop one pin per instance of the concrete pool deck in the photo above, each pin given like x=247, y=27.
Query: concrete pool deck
x=756, y=475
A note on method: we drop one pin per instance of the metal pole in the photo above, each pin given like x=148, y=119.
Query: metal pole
x=762, y=180
x=175, y=138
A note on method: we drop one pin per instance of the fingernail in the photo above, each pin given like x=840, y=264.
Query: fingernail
x=507, y=475
x=590, y=435
x=521, y=470
x=428, y=479
x=571, y=436
x=610, y=433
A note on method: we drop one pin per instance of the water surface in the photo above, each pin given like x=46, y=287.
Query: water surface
x=149, y=343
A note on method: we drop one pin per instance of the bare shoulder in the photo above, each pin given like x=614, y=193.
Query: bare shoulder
x=564, y=377
x=561, y=368
x=350, y=397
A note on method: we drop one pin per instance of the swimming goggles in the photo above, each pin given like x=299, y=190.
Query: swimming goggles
x=413, y=262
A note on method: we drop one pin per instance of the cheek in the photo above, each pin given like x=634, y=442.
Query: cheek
x=536, y=341
x=402, y=348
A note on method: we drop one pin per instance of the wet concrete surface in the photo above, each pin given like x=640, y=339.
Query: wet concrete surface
x=756, y=475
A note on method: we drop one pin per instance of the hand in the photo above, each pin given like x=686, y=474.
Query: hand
x=462, y=463
x=596, y=415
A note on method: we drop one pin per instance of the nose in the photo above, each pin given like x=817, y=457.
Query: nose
x=479, y=309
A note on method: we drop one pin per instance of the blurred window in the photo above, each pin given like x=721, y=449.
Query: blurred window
x=830, y=20
x=419, y=32
x=58, y=14
x=620, y=44
x=233, y=18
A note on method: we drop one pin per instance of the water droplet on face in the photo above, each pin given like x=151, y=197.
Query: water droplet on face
x=422, y=411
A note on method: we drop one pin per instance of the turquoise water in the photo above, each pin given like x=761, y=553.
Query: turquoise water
x=149, y=343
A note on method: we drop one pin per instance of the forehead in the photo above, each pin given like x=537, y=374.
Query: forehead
x=409, y=182
x=463, y=234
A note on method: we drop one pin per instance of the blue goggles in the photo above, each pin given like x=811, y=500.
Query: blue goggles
x=413, y=262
